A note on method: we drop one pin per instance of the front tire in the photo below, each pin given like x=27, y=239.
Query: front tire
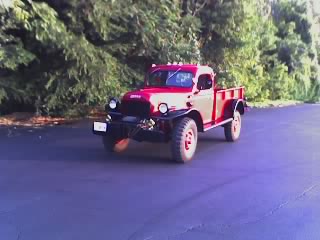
x=232, y=129
x=115, y=145
x=184, y=140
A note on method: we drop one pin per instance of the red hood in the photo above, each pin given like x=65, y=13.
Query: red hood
x=174, y=97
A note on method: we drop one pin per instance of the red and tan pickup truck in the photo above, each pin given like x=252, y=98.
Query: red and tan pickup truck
x=177, y=102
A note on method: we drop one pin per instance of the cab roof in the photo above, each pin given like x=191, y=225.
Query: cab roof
x=184, y=67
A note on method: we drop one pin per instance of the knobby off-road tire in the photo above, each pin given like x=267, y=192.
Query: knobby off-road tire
x=232, y=129
x=184, y=140
x=112, y=144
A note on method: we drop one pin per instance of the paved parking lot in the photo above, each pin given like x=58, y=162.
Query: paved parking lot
x=58, y=183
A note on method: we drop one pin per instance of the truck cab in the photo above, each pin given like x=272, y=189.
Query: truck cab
x=176, y=102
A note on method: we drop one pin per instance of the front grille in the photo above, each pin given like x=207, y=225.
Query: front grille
x=135, y=108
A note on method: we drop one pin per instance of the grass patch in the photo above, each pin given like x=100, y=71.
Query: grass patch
x=29, y=119
x=275, y=103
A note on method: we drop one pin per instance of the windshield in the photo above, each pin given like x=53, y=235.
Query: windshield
x=170, y=78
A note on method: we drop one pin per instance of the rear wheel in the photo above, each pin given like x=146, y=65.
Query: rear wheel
x=112, y=144
x=184, y=140
x=232, y=129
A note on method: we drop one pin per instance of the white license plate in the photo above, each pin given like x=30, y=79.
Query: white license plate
x=99, y=127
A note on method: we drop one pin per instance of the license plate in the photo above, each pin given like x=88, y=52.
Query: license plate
x=100, y=127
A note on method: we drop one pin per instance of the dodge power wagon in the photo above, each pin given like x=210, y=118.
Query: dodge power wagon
x=177, y=102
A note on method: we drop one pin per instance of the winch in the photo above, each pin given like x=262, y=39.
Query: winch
x=147, y=124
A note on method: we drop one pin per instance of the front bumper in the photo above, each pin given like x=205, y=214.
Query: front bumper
x=123, y=129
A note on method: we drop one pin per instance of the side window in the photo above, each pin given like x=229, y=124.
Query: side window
x=204, y=82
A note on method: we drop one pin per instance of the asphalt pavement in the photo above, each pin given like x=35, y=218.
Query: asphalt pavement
x=57, y=183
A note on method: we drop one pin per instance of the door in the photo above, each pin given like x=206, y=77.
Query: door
x=203, y=99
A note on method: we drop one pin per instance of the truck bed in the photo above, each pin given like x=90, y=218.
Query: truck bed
x=223, y=98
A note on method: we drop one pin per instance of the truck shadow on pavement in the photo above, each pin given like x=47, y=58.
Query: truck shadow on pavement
x=155, y=153
x=62, y=147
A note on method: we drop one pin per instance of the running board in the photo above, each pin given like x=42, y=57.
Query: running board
x=219, y=124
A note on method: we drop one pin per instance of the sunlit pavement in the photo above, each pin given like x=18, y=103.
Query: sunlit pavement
x=58, y=183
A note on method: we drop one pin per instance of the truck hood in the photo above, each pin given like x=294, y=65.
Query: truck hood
x=176, y=98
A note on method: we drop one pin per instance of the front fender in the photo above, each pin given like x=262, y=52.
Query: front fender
x=174, y=114
x=191, y=113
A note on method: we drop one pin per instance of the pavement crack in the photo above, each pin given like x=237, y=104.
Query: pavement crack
x=19, y=235
x=224, y=228
x=278, y=207
x=196, y=228
x=157, y=218
x=11, y=133
x=6, y=212
x=24, y=204
x=192, y=228
x=298, y=197
x=148, y=238
x=153, y=220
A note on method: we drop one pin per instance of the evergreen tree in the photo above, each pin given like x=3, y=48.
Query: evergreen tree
x=62, y=56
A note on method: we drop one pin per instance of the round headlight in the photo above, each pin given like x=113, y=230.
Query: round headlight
x=163, y=108
x=113, y=104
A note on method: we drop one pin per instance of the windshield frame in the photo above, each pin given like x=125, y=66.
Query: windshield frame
x=174, y=72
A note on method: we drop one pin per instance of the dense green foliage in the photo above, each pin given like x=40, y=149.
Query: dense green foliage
x=61, y=56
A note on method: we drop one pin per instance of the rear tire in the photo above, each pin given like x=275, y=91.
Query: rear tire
x=232, y=129
x=115, y=145
x=184, y=140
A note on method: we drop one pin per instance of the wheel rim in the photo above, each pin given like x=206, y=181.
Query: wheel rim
x=189, y=143
x=236, y=128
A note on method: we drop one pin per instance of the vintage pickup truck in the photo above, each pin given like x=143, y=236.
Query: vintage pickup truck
x=176, y=103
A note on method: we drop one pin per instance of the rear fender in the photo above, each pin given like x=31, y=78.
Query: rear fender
x=238, y=105
x=232, y=107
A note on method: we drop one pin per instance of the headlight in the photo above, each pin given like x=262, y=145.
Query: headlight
x=163, y=108
x=113, y=104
